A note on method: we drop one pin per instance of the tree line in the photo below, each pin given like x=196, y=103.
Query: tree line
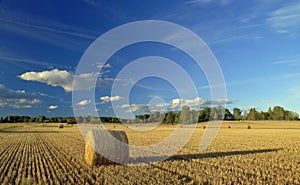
x=185, y=116
x=277, y=113
x=38, y=119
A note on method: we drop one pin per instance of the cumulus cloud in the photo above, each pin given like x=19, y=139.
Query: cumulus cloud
x=174, y=104
x=17, y=98
x=106, y=99
x=64, y=79
x=145, y=108
x=54, y=78
x=196, y=102
x=136, y=108
x=84, y=102
x=52, y=107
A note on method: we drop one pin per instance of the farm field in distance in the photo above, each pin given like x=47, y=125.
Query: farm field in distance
x=268, y=153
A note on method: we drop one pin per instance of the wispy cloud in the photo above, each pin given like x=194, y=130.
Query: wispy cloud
x=208, y=2
x=57, y=28
x=109, y=11
x=49, y=31
x=266, y=79
x=226, y=39
x=18, y=60
x=285, y=19
x=289, y=60
x=17, y=98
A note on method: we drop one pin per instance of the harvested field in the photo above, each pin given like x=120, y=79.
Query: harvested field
x=268, y=153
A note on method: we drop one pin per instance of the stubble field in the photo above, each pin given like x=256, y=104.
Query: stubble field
x=268, y=153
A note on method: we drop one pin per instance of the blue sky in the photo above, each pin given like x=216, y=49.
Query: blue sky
x=256, y=44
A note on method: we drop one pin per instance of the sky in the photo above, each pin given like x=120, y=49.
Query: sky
x=255, y=43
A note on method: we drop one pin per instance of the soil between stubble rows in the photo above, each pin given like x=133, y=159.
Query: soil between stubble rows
x=266, y=154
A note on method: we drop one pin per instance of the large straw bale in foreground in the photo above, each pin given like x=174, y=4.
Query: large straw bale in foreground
x=104, y=147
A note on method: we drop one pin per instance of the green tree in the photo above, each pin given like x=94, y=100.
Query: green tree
x=217, y=113
x=169, y=118
x=185, y=115
x=40, y=119
x=177, y=117
x=204, y=114
x=10, y=119
x=290, y=115
x=252, y=115
x=270, y=114
x=237, y=114
x=155, y=117
x=71, y=120
x=264, y=115
x=228, y=115
x=278, y=113
x=194, y=116
x=32, y=119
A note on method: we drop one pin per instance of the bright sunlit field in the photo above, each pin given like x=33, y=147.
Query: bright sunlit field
x=268, y=153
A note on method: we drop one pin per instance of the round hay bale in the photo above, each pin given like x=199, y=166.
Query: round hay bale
x=204, y=127
x=105, y=147
x=61, y=126
x=249, y=127
x=229, y=126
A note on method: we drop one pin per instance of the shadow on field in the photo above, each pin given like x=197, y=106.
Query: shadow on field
x=206, y=155
x=27, y=131
x=220, y=154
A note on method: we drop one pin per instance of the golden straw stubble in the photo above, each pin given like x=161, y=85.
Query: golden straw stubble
x=105, y=147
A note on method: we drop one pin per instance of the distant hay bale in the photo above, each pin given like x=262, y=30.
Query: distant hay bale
x=103, y=147
x=229, y=126
x=204, y=127
x=248, y=126
x=60, y=126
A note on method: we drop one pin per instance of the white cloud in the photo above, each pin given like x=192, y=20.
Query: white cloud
x=289, y=60
x=84, y=102
x=54, y=78
x=196, y=102
x=64, y=79
x=174, y=104
x=46, y=30
x=286, y=18
x=17, y=99
x=16, y=59
x=207, y=2
x=52, y=107
x=106, y=99
x=101, y=65
x=22, y=103
x=136, y=108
